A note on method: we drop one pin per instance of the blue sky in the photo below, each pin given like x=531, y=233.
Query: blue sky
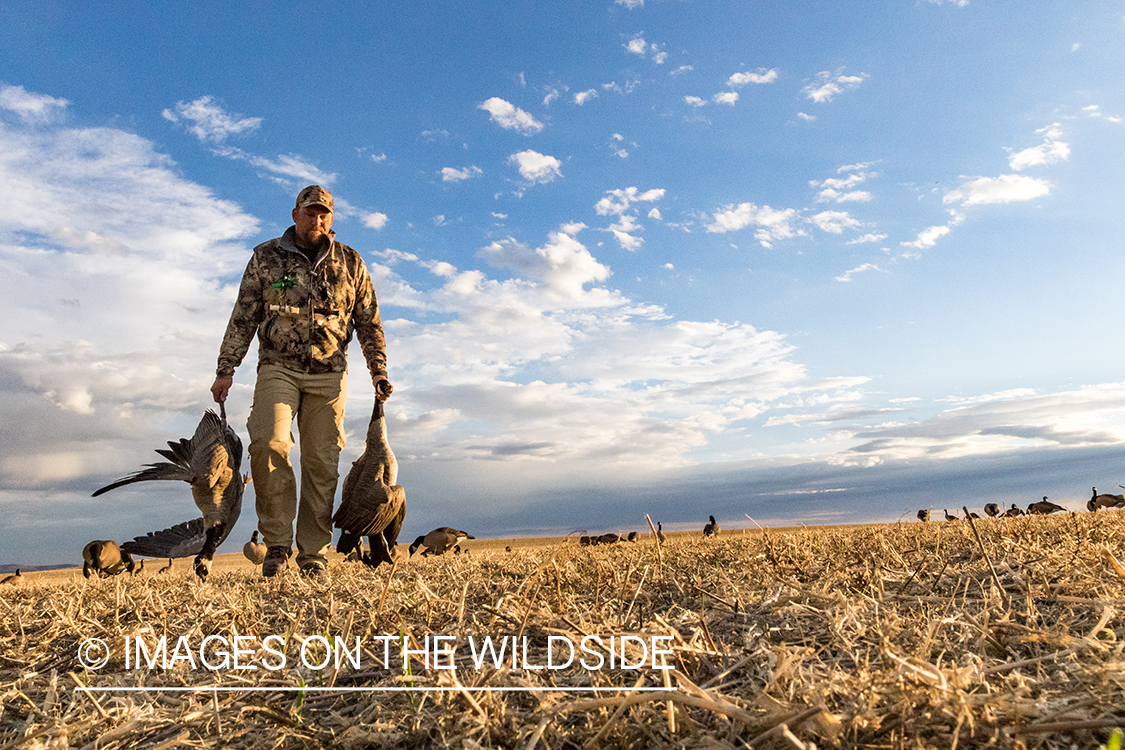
x=810, y=262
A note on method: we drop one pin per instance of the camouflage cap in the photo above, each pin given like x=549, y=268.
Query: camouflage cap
x=314, y=195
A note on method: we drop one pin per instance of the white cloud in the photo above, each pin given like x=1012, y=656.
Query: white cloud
x=1089, y=416
x=1095, y=111
x=378, y=158
x=617, y=202
x=292, y=166
x=834, y=222
x=927, y=238
x=630, y=4
x=867, y=238
x=31, y=107
x=511, y=117
x=582, y=97
x=375, y=220
x=209, y=123
x=727, y=97
x=839, y=189
x=1007, y=188
x=830, y=85
x=772, y=224
x=1050, y=151
x=450, y=174
x=536, y=167
x=761, y=76
x=563, y=266
x=859, y=269
x=637, y=45
x=806, y=117
x=695, y=101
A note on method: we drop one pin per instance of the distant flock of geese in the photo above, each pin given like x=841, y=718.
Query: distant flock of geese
x=1044, y=507
x=105, y=558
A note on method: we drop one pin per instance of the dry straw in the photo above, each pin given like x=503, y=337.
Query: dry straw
x=1003, y=632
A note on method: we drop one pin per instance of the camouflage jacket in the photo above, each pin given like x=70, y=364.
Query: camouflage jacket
x=304, y=313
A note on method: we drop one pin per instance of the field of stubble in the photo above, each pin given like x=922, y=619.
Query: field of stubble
x=908, y=635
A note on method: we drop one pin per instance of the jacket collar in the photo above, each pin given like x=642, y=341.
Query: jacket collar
x=288, y=242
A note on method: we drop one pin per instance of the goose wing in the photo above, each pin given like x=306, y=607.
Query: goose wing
x=209, y=462
x=182, y=540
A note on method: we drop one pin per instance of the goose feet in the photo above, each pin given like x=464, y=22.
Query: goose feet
x=202, y=566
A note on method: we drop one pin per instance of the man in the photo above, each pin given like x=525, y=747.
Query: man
x=304, y=294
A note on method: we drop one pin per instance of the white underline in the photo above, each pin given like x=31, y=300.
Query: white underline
x=250, y=688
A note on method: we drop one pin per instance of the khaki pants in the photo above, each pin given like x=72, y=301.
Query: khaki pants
x=317, y=402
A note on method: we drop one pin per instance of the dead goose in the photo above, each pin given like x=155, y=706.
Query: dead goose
x=1044, y=507
x=439, y=540
x=1105, y=501
x=992, y=509
x=253, y=550
x=711, y=529
x=13, y=580
x=210, y=463
x=373, y=505
x=104, y=558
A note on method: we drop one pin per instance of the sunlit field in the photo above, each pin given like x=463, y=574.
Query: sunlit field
x=1004, y=632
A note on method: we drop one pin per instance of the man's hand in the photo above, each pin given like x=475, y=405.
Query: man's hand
x=220, y=388
x=383, y=389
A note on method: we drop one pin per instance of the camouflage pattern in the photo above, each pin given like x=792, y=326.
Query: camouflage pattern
x=304, y=313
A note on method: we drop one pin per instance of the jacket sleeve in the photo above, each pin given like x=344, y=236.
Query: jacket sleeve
x=368, y=323
x=244, y=321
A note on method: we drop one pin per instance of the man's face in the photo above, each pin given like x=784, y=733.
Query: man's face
x=312, y=224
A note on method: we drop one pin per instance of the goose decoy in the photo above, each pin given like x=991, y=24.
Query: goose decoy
x=711, y=529
x=660, y=532
x=439, y=540
x=992, y=510
x=970, y=514
x=507, y=549
x=104, y=558
x=137, y=570
x=13, y=580
x=948, y=517
x=373, y=504
x=586, y=541
x=167, y=567
x=609, y=539
x=210, y=463
x=923, y=515
x=253, y=550
x=1012, y=512
x=633, y=536
x=1044, y=507
x=1105, y=501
